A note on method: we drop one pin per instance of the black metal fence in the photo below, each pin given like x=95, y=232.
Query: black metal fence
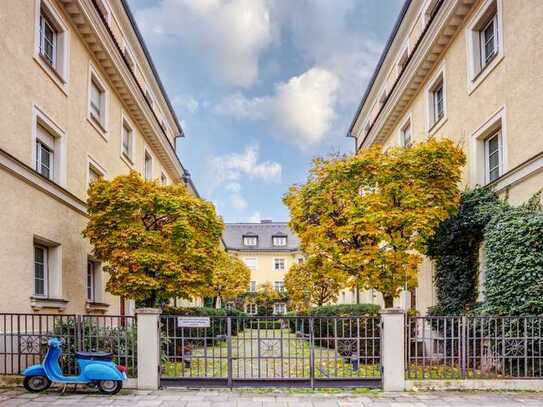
x=293, y=351
x=487, y=347
x=23, y=339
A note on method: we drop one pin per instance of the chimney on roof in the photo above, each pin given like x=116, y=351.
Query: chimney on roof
x=265, y=221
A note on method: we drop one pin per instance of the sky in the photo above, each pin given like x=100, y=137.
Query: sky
x=261, y=87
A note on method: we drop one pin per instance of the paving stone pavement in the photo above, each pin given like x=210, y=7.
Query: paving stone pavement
x=237, y=398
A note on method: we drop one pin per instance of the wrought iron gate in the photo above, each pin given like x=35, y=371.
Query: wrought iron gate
x=272, y=351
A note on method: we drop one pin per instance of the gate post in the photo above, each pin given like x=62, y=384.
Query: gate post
x=393, y=349
x=148, y=322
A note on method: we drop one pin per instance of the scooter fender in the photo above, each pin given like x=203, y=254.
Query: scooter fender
x=34, y=370
x=102, y=371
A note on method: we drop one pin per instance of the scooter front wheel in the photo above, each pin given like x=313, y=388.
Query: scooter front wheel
x=110, y=386
x=36, y=384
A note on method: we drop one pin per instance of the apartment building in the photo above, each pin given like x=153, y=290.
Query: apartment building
x=80, y=99
x=472, y=71
x=268, y=249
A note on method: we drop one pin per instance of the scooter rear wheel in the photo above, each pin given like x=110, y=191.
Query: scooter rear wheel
x=110, y=386
x=35, y=384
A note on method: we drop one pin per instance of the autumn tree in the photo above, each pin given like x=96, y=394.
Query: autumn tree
x=157, y=241
x=316, y=281
x=372, y=213
x=231, y=278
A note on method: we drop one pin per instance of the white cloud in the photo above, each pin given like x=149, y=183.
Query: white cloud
x=302, y=109
x=233, y=187
x=232, y=34
x=254, y=218
x=237, y=201
x=186, y=102
x=234, y=167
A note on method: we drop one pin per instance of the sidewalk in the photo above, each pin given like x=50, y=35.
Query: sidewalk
x=236, y=398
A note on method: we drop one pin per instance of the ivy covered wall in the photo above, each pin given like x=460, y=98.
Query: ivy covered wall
x=513, y=239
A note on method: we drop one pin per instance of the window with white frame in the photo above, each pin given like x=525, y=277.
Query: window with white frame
x=148, y=167
x=97, y=102
x=252, y=286
x=279, y=240
x=251, y=309
x=250, y=240
x=279, y=286
x=484, y=39
x=493, y=156
x=279, y=264
x=41, y=270
x=92, y=268
x=280, y=308
x=94, y=173
x=51, y=41
x=48, y=39
x=405, y=134
x=45, y=153
x=127, y=140
x=436, y=100
x=250, y=262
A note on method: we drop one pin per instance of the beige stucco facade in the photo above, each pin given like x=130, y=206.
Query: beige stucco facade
x=95, y=44
x=481, y=99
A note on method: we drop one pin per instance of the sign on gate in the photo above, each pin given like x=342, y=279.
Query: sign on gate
x=193, y=322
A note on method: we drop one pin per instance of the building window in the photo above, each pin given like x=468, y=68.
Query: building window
x=163, y=179
x=280, y=308
x=279, y=240
x=251, y=309
x=91, y=280
x=44, y=159
x=485, y=43
x=95, y=172
x=250, y=240
x=127, y=141
x=300, y=260
x=48, y=40
x=252, y=287
x=97, y=102
x=148, y=167
x=250, y=262
x=488, y=39
x=493, y=157
x=405, y=134
x=279, y=264
x=279, y=286
x=41, y=270
x=437, y=102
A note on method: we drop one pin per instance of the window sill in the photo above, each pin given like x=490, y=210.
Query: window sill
x=57, y=79
x=436, y=126
x=92, y=306
x=97, y=126
x=480, y=77
x=39, y=303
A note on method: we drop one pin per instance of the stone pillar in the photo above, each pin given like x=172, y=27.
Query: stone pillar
x=393, y=349
x=148, y=320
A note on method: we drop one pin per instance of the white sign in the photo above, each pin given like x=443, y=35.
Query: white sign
x=193, y=322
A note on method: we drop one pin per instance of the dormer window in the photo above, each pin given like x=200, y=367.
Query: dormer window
x=250, y=240
x=279, y=240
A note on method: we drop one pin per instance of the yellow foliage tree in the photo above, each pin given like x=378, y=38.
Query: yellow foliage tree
x=372, y=213
x=230, y=278
x=316, y=281
x=157, y=242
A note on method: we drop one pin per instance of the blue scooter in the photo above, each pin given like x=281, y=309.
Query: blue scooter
x=96, y=369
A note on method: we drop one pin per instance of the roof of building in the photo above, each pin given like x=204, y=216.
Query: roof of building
x=388, y=44
x=265, y=230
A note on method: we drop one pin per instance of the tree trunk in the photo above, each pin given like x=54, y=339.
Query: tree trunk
x=151, y=301
x=357, y=295
x=389, y=301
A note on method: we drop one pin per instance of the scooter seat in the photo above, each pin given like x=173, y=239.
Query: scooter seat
x=94, y=355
